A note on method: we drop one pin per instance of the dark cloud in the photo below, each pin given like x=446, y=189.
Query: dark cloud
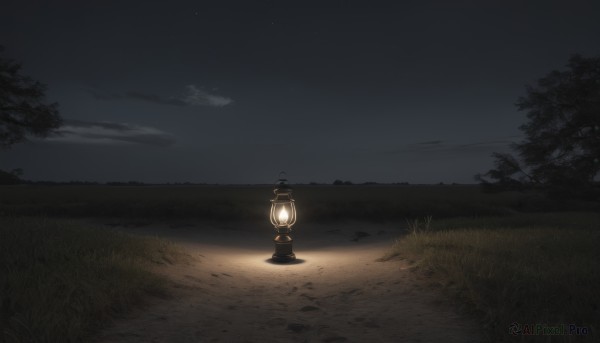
x=198, y=97
x=102, y=95
x=193, y=97
x=103, y=124
x=431, y=143
x=487, y=143
x=86, y=132
x=443, y=146
x=153, y=98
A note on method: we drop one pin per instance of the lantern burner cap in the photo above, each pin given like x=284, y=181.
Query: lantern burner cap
x=283, y=187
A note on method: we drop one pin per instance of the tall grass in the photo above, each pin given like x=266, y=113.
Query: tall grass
x=60, y=281
x=529, y=269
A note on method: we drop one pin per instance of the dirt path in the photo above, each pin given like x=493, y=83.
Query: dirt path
x=336, y=292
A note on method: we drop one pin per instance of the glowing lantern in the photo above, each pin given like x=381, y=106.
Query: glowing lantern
x=283, y=216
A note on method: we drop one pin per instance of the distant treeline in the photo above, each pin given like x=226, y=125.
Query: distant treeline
x=251, y=202
x=14, y=178
x=12, y=181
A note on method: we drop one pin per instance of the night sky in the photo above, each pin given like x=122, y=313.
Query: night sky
x=234, y=92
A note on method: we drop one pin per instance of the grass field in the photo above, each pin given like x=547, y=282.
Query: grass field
x=527, y=268
x=60, y=281
x=371, y=203
x=509, y=256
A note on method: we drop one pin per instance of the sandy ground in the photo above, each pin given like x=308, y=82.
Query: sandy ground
x=335, y=292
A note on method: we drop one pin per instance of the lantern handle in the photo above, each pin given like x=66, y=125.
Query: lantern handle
x=282, y=183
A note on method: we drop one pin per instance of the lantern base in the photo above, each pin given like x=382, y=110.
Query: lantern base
x=283, y=258
x=283, y=248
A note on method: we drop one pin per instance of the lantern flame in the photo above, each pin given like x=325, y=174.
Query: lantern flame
x=283, y=216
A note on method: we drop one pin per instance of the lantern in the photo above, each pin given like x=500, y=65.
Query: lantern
x=283, y=216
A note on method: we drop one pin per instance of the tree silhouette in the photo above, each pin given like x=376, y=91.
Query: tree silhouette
x=11, y=178
x=561, y=148
x=23, y=111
